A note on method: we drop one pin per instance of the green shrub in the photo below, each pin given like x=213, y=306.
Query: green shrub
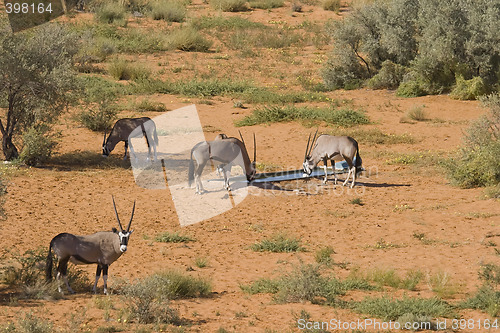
x=417, y=113
x=39, y=144
x=332, y=5
x=391, y=309
x=434, y=39
x=468, y=89
x=411, y=89
x=98, y=118
x=266, y=4
x=120, y=69
x=110, y=12
x=486, y=299
x=222, y=23
x=278, y=243
x=476, y=162
x=388, y=77
x=168, y=10
x=229, y=5
x=188, y=39
x=490, y=274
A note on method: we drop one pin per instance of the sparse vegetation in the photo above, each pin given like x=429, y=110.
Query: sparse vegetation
x=278, y=243
x=323, y=256
x=270, y=114
x=39, y=144
x=266, y=4
x=26, y=274
x=111, y=12
x=176, y=237
x=188, y=39
x=387, y=308
x=148, y=299
x=332, y=5
x=120, y=69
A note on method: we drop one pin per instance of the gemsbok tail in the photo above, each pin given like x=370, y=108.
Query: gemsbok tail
x=48, y=264
x=359, y=161
x=155, y=136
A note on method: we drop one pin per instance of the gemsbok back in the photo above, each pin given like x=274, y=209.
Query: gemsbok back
x=333, y=148
x=123, y=128
x=228, y=151
x=102, y=248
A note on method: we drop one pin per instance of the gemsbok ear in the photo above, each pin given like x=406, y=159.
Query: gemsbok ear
x=114, y=230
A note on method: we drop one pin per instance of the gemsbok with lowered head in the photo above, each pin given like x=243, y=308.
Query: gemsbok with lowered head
x=333, y=148
x=102, y=248
x=228, y=151
x=122, y=130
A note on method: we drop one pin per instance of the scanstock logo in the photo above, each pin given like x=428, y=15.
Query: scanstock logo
x=178, y=132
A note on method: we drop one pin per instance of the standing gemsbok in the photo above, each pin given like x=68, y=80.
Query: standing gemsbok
x=102, y=248
x=228, y=151
x=122, y=130
x=333, y=148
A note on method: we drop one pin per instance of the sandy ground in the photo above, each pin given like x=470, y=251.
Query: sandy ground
x=399, y=201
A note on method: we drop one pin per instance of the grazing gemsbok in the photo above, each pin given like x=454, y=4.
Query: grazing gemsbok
x=101, y=248
x=228, y=151
x=122, y=130
x=333, y=148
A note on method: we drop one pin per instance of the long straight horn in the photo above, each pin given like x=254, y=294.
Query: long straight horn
x=307, y=147
x=104, y=140
x=131, y=217
x=312, y=143
x=241, y=136
x=254, y=149
x=116, y=213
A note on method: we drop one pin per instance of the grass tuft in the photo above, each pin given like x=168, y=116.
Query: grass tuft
x=278, y=243
x=167, y=237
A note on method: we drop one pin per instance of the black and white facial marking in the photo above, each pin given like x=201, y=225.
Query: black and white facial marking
x=124, y=236
x=307, y=166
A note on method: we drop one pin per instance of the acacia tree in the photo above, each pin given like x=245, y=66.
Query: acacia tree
x=36, y=79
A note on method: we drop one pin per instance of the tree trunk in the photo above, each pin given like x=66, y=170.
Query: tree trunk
x=9, y=150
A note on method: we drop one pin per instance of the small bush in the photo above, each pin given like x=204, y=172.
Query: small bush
x=486, y=299
x=27, y=273
x=39, y=144
x=417, y=113
x=98, y=118
x=121, y=69
x=175, y=237
x=324, y=256
x=388, y=77
x=468, y=89
x=440, y=284
x=490, y=274
x=278, y=243
x=110, y=12
x=146, y=105
x=188, y=39
x=332, y=5
x=411, y=89
x=391, y=309
x=168, y=10
x=476, y=163
x=30, y=324
x=266, y=4
x=229, y=5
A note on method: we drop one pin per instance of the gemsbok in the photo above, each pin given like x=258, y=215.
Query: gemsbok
x=228, y=151
x=102, y=248
x=333, y=148
x=122, y=130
